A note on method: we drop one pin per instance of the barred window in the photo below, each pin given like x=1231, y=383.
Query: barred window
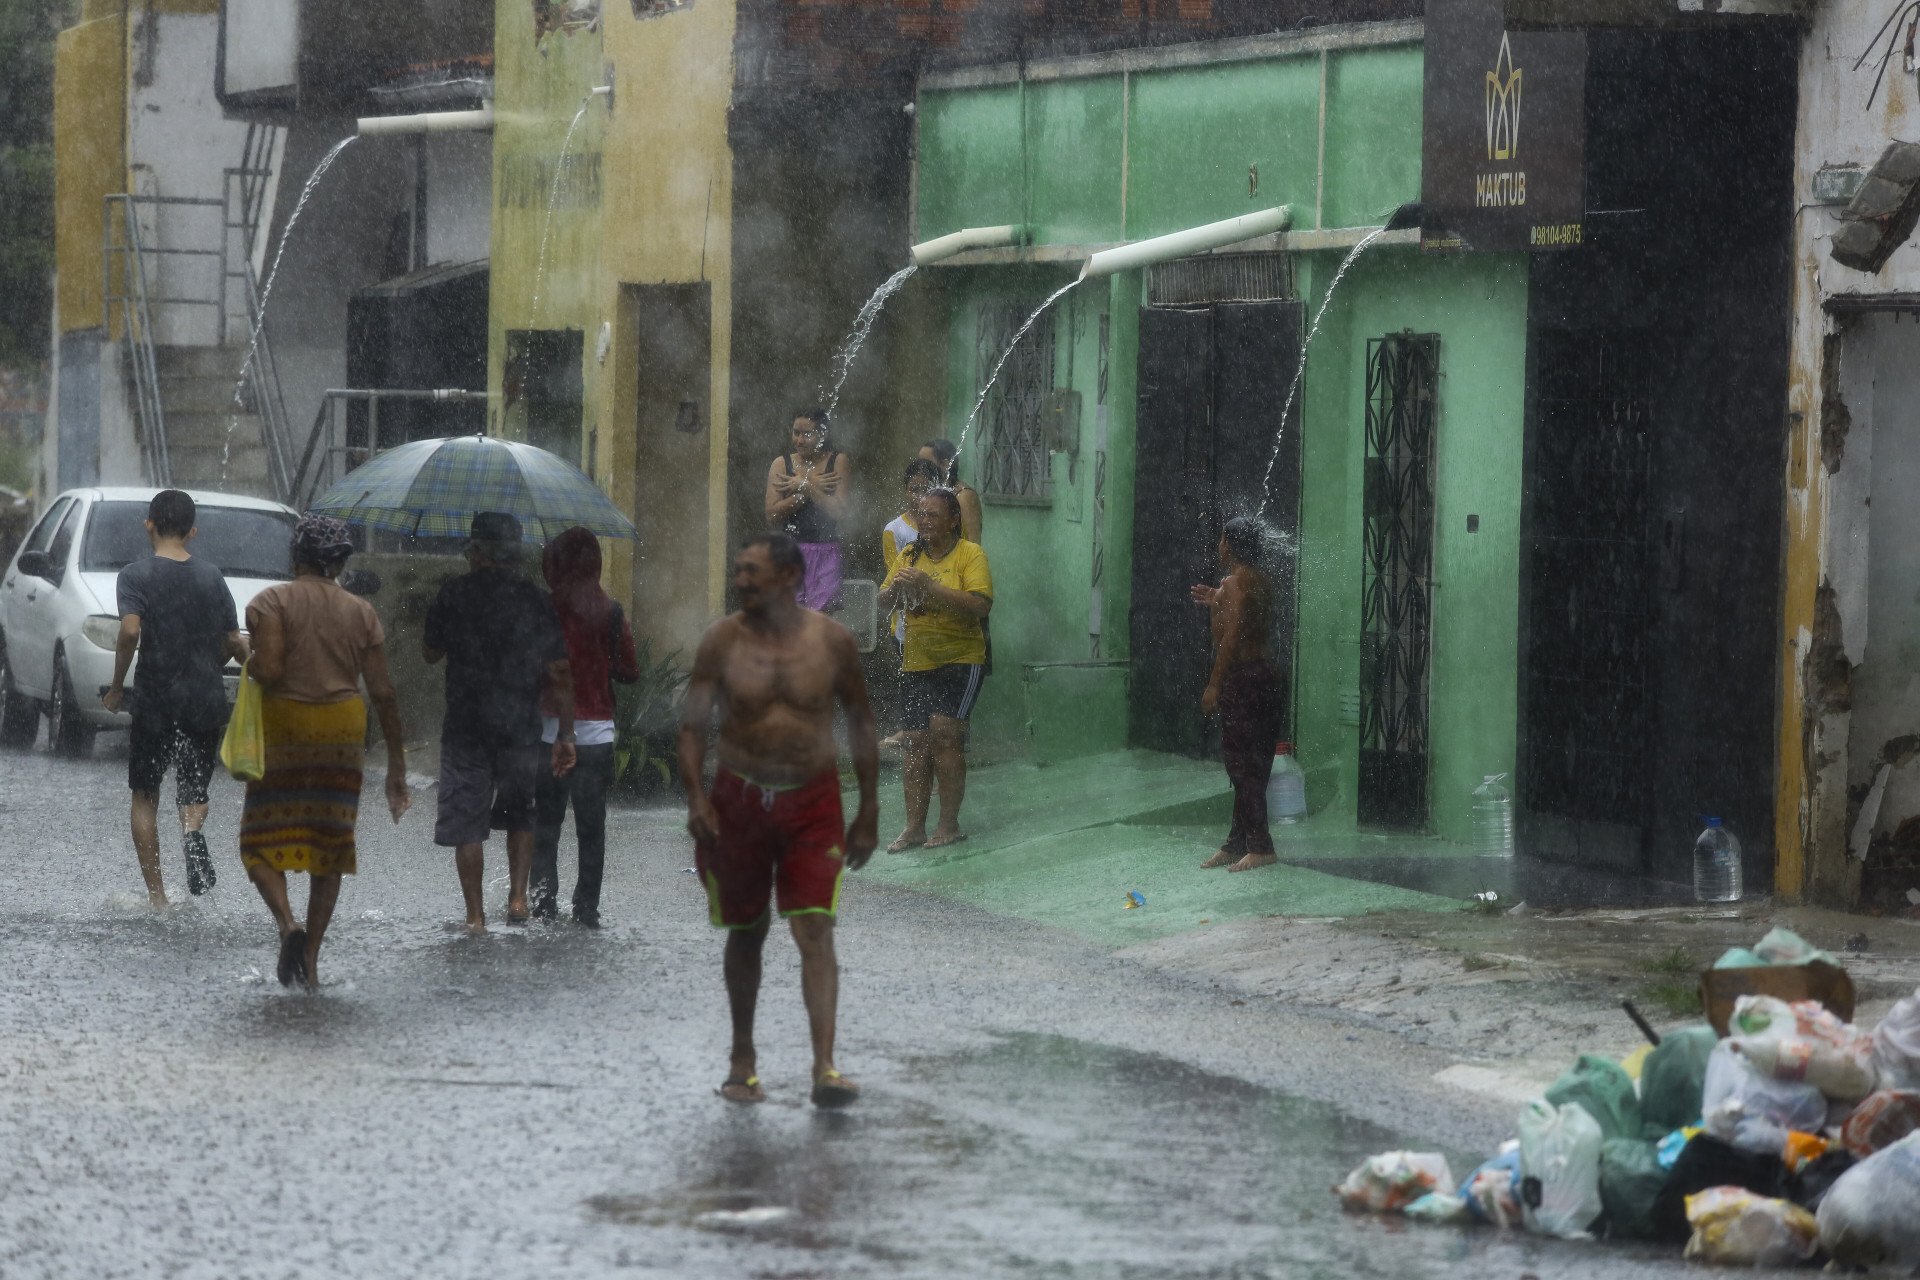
x=1012, y=425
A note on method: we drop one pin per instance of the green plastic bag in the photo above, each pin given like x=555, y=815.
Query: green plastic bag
x=1630, y=1181
x=1671, y=1080
x=244, y=749
x=1605, y=1091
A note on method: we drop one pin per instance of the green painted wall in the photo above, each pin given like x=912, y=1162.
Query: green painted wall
x=1477, y=304
x=1200, y=144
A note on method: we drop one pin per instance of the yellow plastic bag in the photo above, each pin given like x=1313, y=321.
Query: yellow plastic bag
x=244, y=749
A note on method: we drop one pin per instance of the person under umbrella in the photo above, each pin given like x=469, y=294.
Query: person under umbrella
x=503, y=648
x=600, y=652
x=313, y=645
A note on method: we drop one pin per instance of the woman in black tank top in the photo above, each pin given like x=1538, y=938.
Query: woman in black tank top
x=807, y=496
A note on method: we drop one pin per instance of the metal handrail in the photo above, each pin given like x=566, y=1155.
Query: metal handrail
x=321, y=460
x=136, y=327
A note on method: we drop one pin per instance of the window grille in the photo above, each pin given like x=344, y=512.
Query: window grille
x=1012, y=428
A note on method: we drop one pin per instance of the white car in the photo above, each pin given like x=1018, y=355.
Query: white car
x=58, y=611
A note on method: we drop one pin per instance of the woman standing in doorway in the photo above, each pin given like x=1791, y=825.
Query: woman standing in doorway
x=1245, y=689
x=946, y=588
x=313, y=644
x=807, y=495
x=945, y=455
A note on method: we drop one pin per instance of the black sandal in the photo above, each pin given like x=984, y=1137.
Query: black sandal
x=293, y=957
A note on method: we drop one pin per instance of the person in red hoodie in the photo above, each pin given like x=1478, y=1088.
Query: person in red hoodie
x=600, y=650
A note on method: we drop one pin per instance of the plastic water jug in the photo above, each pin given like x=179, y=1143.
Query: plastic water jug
x=1716, y=864
x=1493, y=818
x=1286, y=787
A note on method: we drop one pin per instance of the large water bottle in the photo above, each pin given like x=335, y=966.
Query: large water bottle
x=1286, y=787
x=1493, y=818
x=1716, y=864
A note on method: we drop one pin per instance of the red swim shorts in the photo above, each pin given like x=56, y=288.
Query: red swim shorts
x=772, y=838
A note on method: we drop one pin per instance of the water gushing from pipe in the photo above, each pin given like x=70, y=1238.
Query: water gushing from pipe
x=960, y=446
x=856, y=338
x=1300, y=370
x=553, y=198
x=266, y=292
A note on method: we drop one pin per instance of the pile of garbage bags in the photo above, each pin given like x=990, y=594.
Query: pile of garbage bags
x=1794, y=1138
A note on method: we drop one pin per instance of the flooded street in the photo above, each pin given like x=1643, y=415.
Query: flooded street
x=540, y=1102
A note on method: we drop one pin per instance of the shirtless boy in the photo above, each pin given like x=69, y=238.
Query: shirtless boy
x=1245, y=689
x=771, y=825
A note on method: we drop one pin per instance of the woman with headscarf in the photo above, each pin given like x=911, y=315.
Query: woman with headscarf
x=314, y=644
x=600, y=651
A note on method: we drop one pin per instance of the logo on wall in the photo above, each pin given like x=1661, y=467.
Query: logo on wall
x=1503, y=105
x=1477, y=191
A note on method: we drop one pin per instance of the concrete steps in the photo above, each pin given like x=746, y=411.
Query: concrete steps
x=204, y=426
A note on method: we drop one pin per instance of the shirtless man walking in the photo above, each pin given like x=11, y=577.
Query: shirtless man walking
x=772, y=822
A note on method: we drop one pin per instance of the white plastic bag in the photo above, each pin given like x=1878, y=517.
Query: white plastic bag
x=1752, y=1111
x=1844, y=1074
x=1559, y=1169
x=1896, y=1045
x=1389, y=1182
x=1868, y=1218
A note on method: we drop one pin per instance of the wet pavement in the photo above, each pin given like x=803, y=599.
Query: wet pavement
x=540, y=1101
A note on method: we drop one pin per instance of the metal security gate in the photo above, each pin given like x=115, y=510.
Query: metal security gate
x=1212, y=380
x=1396, y=608
x=1591, y=648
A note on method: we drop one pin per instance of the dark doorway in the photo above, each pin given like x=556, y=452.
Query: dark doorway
x=1212, y=382
x=1653, y=478
x=544, y=393
x=424, y=332
x=1396, y=579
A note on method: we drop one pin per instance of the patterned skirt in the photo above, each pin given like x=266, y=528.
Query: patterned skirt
x=300, y=816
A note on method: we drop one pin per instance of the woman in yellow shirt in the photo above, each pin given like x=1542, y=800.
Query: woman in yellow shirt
x=946, y=588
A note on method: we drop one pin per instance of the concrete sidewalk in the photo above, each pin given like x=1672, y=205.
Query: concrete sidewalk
x=1065, y=844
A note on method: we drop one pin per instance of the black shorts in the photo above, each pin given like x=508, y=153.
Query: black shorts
x=948, y=691
x=159, y=742
x=485, y=787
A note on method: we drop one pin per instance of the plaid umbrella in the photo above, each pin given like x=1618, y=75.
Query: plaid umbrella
x=432, y=488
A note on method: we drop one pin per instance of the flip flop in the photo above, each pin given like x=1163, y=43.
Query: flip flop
x=941, y=842
x=832, y=1090
x=293, y=957
x=746, y=1091
x=903, y=844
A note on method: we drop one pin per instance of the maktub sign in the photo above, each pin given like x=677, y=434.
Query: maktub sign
x=1503, y=146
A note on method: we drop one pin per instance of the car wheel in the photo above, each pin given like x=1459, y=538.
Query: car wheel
x=67, y=727
x=19, y=719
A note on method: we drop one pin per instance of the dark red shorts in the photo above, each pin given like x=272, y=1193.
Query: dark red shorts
x=772, y=838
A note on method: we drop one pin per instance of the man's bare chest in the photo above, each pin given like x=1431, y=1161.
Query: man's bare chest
x=757, y=678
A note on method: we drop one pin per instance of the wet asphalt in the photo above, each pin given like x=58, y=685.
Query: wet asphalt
x=540, y=1102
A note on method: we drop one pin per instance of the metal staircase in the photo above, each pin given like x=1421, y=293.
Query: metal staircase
x=206, y=398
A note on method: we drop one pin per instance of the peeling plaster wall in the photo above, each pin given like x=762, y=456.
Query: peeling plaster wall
x=1827, y=566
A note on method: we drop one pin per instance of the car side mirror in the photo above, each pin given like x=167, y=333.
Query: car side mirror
x=36, y=564
x=361, y=582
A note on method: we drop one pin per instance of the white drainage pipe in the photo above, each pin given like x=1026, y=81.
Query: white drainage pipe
x=1180, y=244
x=425, y=122
x=953, y=242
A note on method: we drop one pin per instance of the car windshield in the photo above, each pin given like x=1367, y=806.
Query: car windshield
x=242, y=543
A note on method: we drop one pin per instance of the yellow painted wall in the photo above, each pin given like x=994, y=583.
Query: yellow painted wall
x=646, y=199
x=89, y=139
